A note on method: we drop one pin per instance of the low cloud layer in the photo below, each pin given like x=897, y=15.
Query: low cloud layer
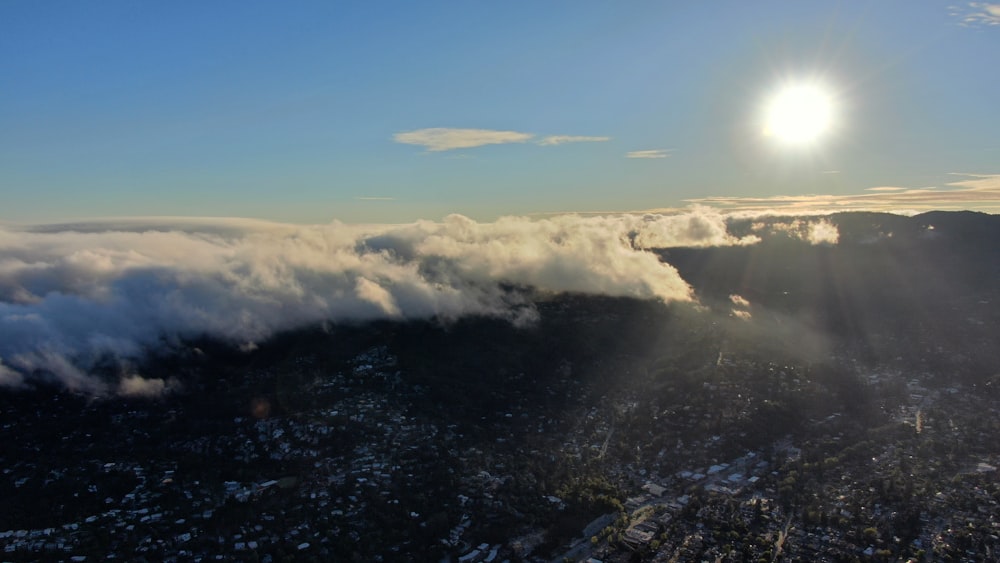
x=70, y=294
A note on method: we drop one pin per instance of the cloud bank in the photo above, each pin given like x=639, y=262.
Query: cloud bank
x=75, y=293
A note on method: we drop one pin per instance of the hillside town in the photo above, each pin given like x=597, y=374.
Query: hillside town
x=719, y=456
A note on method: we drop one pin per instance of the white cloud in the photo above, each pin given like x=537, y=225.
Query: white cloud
x=812, y=230
x=438, y=139
x=372, y=292
x=9, y=377
x=699, y=226
x=978, y=183
x=651, y=153
x=73, y=294
x=374, y=198
x=740, y=310
x=979, y=192
x=823, y=232
x=49, y=360
x=561, y=139
x=978, y=14
x=138, y=386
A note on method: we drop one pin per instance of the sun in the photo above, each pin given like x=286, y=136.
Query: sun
x=799, y=114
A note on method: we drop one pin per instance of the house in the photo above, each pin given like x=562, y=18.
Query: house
x=654, y=489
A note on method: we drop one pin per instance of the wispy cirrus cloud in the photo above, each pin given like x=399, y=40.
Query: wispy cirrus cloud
x=562, y=139
x=437, y=139
x=374, y=198
x=979, y=192
x=650, y=153
x=976, y=14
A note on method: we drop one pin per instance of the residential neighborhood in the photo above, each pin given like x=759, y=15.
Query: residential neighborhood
x=741, y=459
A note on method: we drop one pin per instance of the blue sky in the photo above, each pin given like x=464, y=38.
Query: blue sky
x=394, y=111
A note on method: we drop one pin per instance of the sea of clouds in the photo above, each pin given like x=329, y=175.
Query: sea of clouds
x=73, y=293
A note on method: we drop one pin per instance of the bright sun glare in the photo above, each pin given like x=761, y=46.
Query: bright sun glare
x=798, y=114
